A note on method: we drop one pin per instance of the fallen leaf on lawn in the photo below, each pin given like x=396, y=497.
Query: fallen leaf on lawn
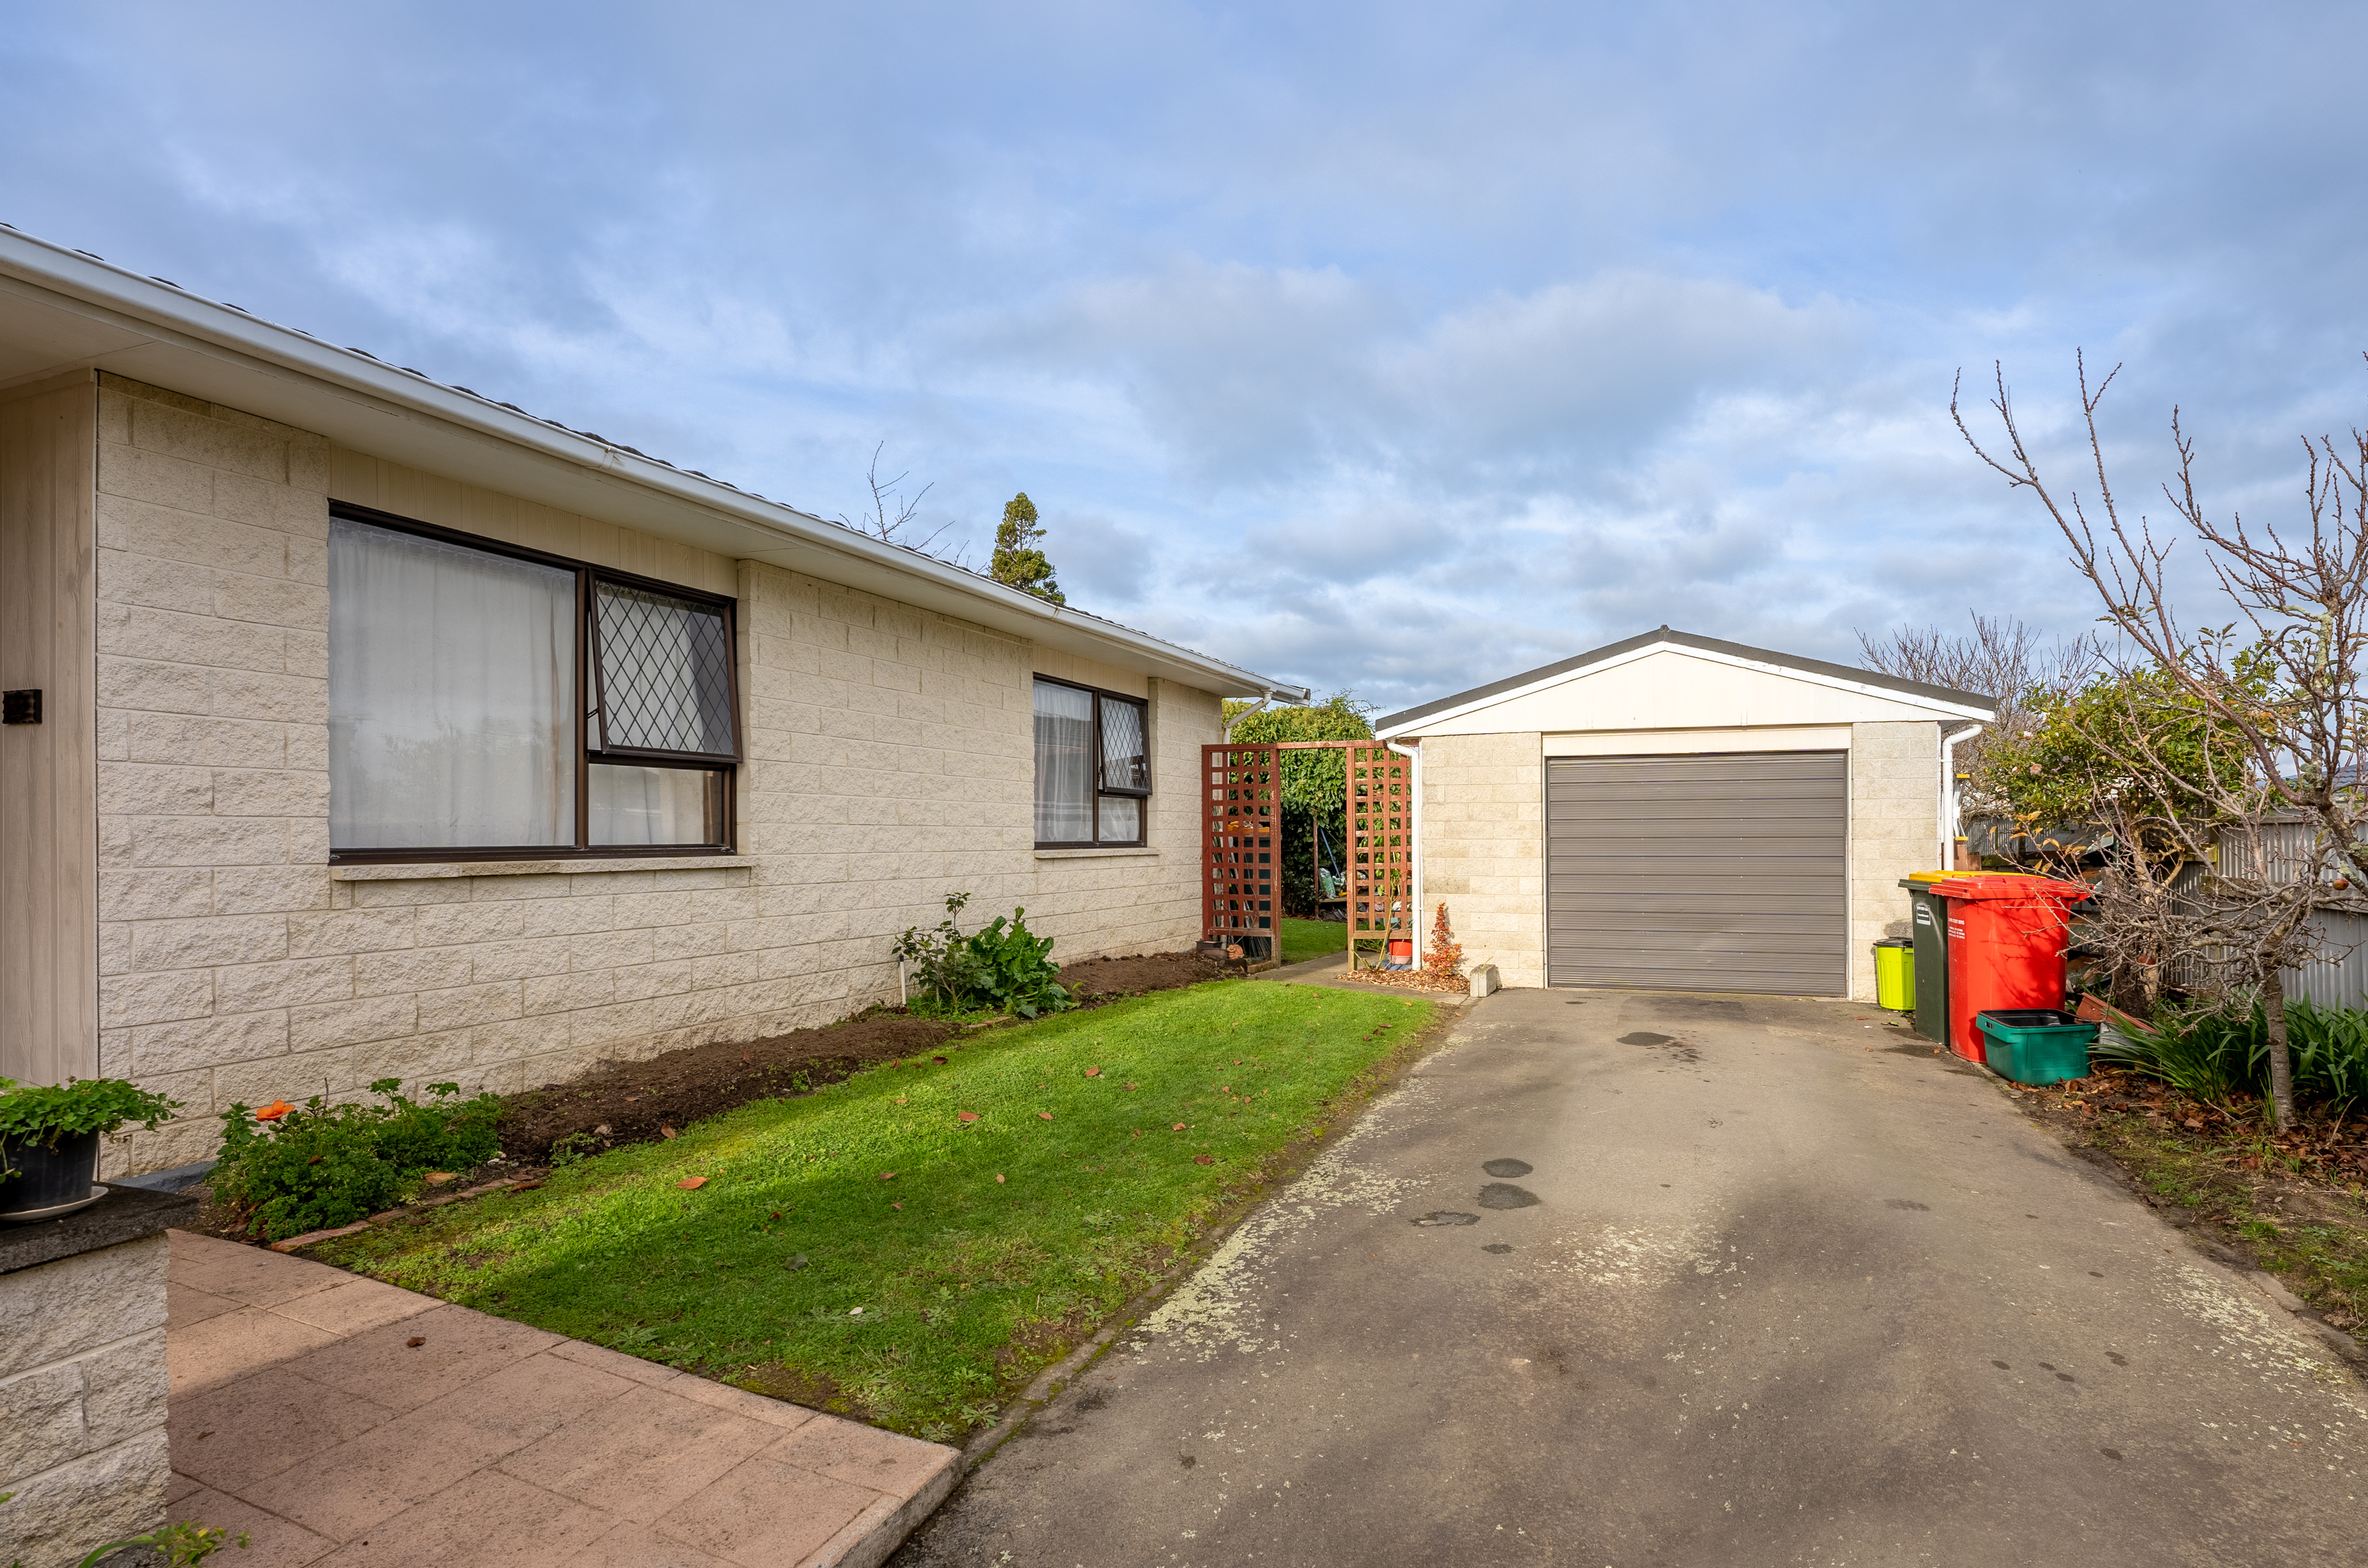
x=1204, y=1159
x=776, y=1213
x=900, y=1099
x=689, y=1182
x=938, y=1059
x=897, y=1207
x=1178, y=1127
x=416, y=1341
x=855, y=1311
x=1130, y=1085
x=998, y=1175
x=1044, y=1115
x=1093, y=1072
x=1138, y=1132
x=664, y=1130
x=437, y=1178
x=965, y=1116
x=887, y=1175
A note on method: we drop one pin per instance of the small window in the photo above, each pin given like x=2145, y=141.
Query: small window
x=1093, y=767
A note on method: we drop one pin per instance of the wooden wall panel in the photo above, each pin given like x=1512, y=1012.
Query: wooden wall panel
x=49, y=800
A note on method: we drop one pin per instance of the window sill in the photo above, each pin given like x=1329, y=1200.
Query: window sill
x=432, y=870
x=1125, y=851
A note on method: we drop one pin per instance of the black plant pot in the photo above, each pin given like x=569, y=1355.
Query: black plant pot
x=49, y=1179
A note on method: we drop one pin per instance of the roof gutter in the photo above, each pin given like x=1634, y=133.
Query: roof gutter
x=161, y=313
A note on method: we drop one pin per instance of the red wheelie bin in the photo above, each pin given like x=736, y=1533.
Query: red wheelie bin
x=2007, y=939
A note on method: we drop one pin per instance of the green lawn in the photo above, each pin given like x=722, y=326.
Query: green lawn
x=794, y=1270
x=1303, y=939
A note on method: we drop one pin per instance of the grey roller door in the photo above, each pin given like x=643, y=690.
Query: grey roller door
x=1699, y=873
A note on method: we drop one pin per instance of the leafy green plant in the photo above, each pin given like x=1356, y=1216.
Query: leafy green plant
x=2217, y=1053
x=311, y=1167
x=1005, y=967
x=46, y=1114
x=183, y=1545
x=1012, y=969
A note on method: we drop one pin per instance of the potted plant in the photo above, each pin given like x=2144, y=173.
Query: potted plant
x=48, y=1141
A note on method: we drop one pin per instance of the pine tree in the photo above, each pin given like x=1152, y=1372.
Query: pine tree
x=1018, y=559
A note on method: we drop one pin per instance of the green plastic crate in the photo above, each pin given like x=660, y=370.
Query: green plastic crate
x=2036, y=1045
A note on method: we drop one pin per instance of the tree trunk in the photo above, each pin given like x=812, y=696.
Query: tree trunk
x=2273, y=1008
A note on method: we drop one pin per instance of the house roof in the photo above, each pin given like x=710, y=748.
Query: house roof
x=65, y=310
x=1945, y=701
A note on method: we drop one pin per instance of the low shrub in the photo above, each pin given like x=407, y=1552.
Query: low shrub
x=2218, y=1054
x=310, y=1167
x=1004, y=967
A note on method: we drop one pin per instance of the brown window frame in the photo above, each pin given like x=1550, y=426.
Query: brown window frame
x=1099, y=790
x=586, y=729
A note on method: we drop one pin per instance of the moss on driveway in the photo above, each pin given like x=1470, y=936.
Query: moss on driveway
x=913, y=1244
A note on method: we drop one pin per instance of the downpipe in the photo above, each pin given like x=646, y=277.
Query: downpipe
x=1949, y=804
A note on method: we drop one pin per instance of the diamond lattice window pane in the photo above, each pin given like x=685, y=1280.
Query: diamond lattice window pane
x=666, y=672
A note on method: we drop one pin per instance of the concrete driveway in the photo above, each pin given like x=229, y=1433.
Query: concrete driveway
x=1625, y=1278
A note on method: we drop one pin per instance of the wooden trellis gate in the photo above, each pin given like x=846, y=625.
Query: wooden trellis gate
x=1241, y=841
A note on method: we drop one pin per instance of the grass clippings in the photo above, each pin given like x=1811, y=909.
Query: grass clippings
x=2296, y=1206
x=868, y=1250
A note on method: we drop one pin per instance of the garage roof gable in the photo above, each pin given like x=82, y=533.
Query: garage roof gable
x=1674, y=679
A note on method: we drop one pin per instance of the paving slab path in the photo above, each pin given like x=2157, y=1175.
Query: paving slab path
x=341, y=1421
x=1629, y=1279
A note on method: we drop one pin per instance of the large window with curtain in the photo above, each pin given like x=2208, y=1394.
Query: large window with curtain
x=1093, y=767
x=489, y=703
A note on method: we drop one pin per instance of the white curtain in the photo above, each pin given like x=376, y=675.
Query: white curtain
x=452, y=683
x=1121, y=819
x=1065, y=764
x=652, y=805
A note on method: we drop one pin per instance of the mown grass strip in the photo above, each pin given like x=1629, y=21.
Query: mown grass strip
x=1304, y=939
x=867, y=1249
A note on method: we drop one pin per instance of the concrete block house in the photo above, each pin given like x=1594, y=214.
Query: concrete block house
x=385, y=729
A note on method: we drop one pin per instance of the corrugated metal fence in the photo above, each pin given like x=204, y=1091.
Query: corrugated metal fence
x=2282, y=849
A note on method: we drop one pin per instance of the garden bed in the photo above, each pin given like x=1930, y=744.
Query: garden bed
x=911, y=1245
x=2296, y=1206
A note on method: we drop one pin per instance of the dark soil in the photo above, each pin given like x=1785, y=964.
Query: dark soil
x=1098, y=980
x=635, y=1102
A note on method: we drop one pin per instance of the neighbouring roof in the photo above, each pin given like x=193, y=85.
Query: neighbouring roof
x=1946, y=699
x=66, y=309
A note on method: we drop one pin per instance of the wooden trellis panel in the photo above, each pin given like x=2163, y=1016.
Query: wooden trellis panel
x=1241, y=837
x=1380, y=844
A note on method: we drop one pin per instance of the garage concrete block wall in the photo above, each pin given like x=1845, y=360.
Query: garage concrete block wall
x=890, y=762
x=1484, y=848
x=1894, y=826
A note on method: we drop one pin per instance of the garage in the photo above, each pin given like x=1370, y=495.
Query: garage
x=1700, y=872
x=1678, y=812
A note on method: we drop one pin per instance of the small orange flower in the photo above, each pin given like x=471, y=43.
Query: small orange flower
x=274, y=1111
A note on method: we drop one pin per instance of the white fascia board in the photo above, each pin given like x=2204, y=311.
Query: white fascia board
x=1938, y=709
x=220, y=354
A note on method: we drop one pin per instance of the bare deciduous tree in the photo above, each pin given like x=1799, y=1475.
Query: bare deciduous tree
x=2001, y=658
x=2275, y=707
x=891, y=514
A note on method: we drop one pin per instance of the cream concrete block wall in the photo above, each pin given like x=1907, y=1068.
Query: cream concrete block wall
x=82, y=1402
x=890, y=761
x=1483, y=848
x=1894, y=771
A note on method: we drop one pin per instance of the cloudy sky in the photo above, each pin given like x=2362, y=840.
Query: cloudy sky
x=1384, y=347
